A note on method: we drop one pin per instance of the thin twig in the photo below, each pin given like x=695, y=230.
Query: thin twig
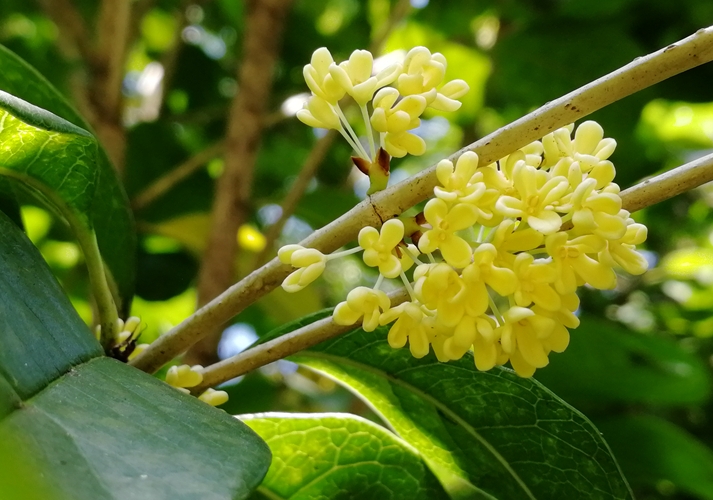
x=669, y=184
x=642, y=195
x=281, y=347
x=166, y=182
x=264, y=26
x=169, y=180
x=297, y=190
x=643, y=72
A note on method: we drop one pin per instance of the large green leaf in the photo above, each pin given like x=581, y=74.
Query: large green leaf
x=607, y=363
x=328, y=455
x=94, y=428
x=654, y=452
x=107, y=207
x=50, y=155
x=484, y=434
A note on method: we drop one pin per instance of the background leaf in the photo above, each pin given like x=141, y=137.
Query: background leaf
x=95, y=428
x=659, y=455
x=606, y=363
x=327, y=455
x=109, y=210
x=482, y=433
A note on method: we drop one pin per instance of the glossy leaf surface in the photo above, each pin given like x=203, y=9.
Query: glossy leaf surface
x=92, y=427
x=484, y=434
x=101, y=199
x=325, y=455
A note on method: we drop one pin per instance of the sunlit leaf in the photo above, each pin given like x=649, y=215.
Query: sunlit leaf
x=325, y=455
x=484, y=434
x=108, y=209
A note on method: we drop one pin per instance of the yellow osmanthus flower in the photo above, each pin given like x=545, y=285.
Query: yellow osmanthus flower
x=465, y=183
x=319, y=114
x=439, y=287
x=516, y=237
x=528, y=338
x=478, y=333
x=184, y=376
x=574, y=262
x=445, y=222
x=588, y=147
x=319, y=79
x=622, y=252
x=362, y=302
x=379, y=247
x=534, y=203
x=509, y=238
x=408, y=327
x=309, y=261
x=393, y=120
x=417, y=84
x=597, y=213
x=213, y=397
x=423, y=72
x=354, y=76
x=535, y=279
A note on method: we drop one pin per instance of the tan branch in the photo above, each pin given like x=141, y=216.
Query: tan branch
x=107, y=74
x=643, y=72
x=669, y=184
x=166, y=182
x=642, y=195
x=280, y=347
x=112, y=38
x=264, y=27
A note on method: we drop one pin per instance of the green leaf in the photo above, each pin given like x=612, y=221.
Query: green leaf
x=607, y=363
x=108, y=209
x=49, y=154
x=657, y=454
x=41, y=334
x=326, y=455
x=94, y=428
x=484, y=434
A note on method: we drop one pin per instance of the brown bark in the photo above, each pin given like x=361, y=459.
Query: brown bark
x=264, y=26
x=113, y=30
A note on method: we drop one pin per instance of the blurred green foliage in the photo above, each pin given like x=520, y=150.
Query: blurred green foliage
x=640, y=364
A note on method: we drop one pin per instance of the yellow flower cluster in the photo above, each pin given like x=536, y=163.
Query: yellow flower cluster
x=415, y=84
x=517, y=238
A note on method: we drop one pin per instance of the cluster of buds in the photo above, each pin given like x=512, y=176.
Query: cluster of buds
x=125, y=345
x=399, y=95
x=184, y=377
x=499, y=253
